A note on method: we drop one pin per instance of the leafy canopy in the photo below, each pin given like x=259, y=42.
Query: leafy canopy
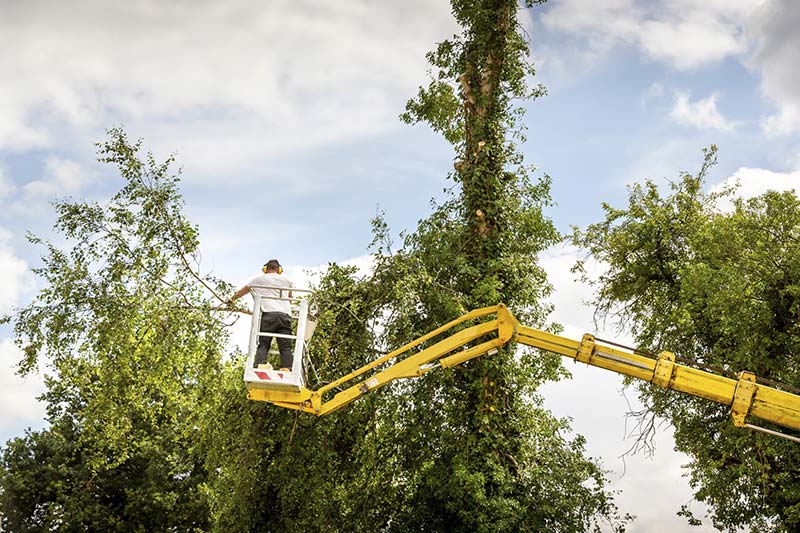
x=131, y=342
x=722, y=289
x=464, y=450
x=150, y=429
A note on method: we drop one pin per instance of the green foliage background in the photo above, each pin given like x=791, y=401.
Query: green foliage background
x=469, y=449
x=150, y=429
x=131, y=347
x=722, y=289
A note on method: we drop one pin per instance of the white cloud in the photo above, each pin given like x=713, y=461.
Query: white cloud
x=237, y=83
x=754, y=182
x=606, y=22
x=773, y=28
x=572, y=298
x=19, y=407
x=62, y=177
x=7, y=187
x=785, y=122
x=701, y=114
x=652, y=489
x=794, y=161
x=693, y=35
x=14, y=276
x=16, y=133
x=688, y=44
x=690, y=34
x=684, y=34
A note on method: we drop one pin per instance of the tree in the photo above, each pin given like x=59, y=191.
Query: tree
x=494, y=459
x=721, y=289
x=470, y=449
x=271, y=469
x=131, y=340
x=134, y=338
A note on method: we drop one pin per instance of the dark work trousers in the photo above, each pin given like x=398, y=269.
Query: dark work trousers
x=275, y=322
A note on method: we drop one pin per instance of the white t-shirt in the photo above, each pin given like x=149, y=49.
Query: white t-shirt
x=269, y=295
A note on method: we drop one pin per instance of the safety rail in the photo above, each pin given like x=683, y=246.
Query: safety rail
x=265, y=377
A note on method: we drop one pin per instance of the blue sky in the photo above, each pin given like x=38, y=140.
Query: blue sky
x=284, y=118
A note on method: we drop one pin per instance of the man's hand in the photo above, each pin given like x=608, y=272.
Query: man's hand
x=231, y=302
x=241, y=292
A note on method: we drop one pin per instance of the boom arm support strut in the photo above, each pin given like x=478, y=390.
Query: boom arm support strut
x=745, y=396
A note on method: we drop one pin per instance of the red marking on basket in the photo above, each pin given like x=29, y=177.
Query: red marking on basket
x=262, y=375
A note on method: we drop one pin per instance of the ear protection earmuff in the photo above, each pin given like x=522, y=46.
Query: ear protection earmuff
x=264, y=268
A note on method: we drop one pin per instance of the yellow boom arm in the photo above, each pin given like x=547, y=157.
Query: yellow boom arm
x=745, y=396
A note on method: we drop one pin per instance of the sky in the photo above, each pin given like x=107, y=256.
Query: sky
x=284, y=118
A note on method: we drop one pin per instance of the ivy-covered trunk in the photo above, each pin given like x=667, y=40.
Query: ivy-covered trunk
x=497, y=460
x=491, y=400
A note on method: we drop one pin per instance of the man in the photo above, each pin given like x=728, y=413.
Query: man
x=275, y=312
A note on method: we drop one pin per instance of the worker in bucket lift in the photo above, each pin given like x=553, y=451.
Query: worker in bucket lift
x=275, y=313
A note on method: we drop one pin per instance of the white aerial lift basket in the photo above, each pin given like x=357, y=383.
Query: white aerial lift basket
x=269, y=378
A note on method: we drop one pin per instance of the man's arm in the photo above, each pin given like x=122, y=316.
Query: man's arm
x=241, y=292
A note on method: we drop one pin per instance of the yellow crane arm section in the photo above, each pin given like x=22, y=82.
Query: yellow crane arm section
x=744, y=395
